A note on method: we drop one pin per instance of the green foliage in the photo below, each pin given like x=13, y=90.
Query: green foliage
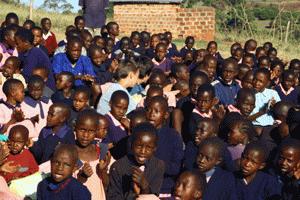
x=58, y=6
x=265, y=13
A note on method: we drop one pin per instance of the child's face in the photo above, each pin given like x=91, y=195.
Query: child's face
x=46, y=25
x=62, y=166
x=212, y=49
x=195, y=84
x=73, y=51
x=211, y=69
x=229, y=72
x=260, y=53
x=98, y=58
x=248, y=61
x=80, y=101
x=238, y=55
x=200, y=55
x=190, y=44
x=260, y=82
x=205, y=101
x=17, y=142
x=277, y=71
x=183, y=74
x=135, y=40
x=18, y=93
x=247, y=81
x=251, y=162
x=62, y=82
x=156, y=114
x=22, y=46
x=160, y=53
x=100, y=42
x=38, y=37
x=41, y=73
x=80, y=24
x=36, y=90
x=87, y=41
x=264, y=64
x=9, y=68
x=246, y=105
x=119, y=108
x=288, y=82
x=288, y=160
x=102, y=128
x=10, y=39
x=115, y=30
x=235, y=137
x=203, y=131
x=85, y=132
x=185, y=90
x=154, y=42
x=185, y=188
x=207, y=158
x=55, y=116
x=143, y=148
x=125, y=45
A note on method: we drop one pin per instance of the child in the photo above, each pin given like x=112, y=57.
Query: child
x=277, y=68
x=154, y=41
x=210, y=66
x=286, y=89
x=247, y=81
x=38, y=39
x=61, y=184
x=160, y=61
x=113, y=31
x=99, y=41
x=43, y=72
x=212, y=48
x=87, y=38
x=238, y=55
x=35, y=105
x=28, y=24
x=189, y=45
x=64, y=86
x=140, y=172
x=89, y=155
x=79, y=23
x=8, y=44
x=183, y=87
x=190, y=185
x=102, y=128
x=226, y=87
x=170, y=144
x=153, y=91
x=48, y=36
x=135, y=40
x=264, y=62
x=180, y=72
x=249, y=60
x=251, y=182
x=55, y=132
x=220, y=183
x=81, y=102
x=243, y=70
x=19, y=156
x=250, y=46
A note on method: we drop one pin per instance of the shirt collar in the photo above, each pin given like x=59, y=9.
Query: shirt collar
x=45, y=37
x=232, y=108
x=30, y=101
x=6, y=50
x=9, y=105
x=115, y=121
x=58, y=186
x=205, y=115
x=209, y=174
x=284, y=91
x=60, y=133
x=228, y=84
x=156, y=62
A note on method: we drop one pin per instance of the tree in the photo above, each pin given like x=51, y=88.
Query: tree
x=58, y=6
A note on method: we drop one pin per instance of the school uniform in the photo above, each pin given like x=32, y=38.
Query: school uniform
x=47, y=141
x=120, y=178
x=184, y=50
x=47, y=92
x=6, y=53
x=150, y=53
x=172, y=51
x=170, y=150
x=58, y=97
x=262, y=187
x=50, y=42
x=226, y=92
x=220, y=185
x=290, y=189
x=43, y=48
x=69, y=189
x=290, y=96
x=164, y=65
x=102, y=73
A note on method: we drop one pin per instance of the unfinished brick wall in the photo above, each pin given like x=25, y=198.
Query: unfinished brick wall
x=156, y=18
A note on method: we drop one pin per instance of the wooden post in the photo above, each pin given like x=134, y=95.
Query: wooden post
x=30, y=9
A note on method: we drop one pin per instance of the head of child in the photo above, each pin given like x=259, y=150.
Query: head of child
x=63, y=162
x=157, y=111
x=183, y=87
x=267, y=46
x=104, y=31
x=238, y=54
x=58, y=115
x=190, y=185
x=229, y=70
x=14, y=91
x=277, y=67
x=180, y=72
x=11, y=66
x=197, y=79
x=86, y=38
x=135, y=38
x=125, y=44
x=247, y=81
x=248, y=60
x=8, y=37
x=145, y=66
x=36, y=87
x=38, y=35
x=11, y=18
x=250, y=46
x=81, y=98
x=160, y=51
x=24, y=40
x=289, y=156
x=127, y=74
x=205, y=128
x=295, y=66
x=99, y=41
x=102, y=127
x=206, y=98
x=46, y=24
x=253, y=159
x=97, y=55
x=109, y=45
x=200, y=54
x=264, y=62
x=241, y=132
x=260, y=51
x=234, y=47
x=210, y=66
x=41, y=71
x=18, y=138
x=189, y=42
x=153, y=91
x=73, y=49
x=79, y=23
x=288, y=80
x=145, y=39
x=261, y=79
x=119, y=104
x=137, y=117
x=65, y=81
x=243, y=69
x=245, y=101
x=86, y=128
x=28, y=24
x=154, y=41
x=210, y=154
x=281, y=109
x=157, y=78
x=272, y=53
x=212, y=47
x=113, y=29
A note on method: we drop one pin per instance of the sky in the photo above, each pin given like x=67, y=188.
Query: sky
x=38, y=3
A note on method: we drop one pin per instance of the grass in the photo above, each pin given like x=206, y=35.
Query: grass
x=286, y=51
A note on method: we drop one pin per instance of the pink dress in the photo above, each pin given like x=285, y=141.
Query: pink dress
x=6, y=53
x=5, y=194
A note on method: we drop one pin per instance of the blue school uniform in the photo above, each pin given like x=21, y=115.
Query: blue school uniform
x=289, y=96
x=220, y=185
x=58, y=97
x=164, y=65
x=170, y=150
x=150, y=53
x=102, y=73
x=69, y=189
x=291, y=189
x=184, y=50
x=47, y=141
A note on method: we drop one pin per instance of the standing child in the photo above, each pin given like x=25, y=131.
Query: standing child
x=55, y=132
x=160, y=60
x=189, y=46
x=61, y=184
x=140, y=172
x=113, y=31
x=48, y=36
x=38, y=39
x=79, y=23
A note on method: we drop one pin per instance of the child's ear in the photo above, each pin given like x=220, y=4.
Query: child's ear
x=198, y=195
x=263, y=165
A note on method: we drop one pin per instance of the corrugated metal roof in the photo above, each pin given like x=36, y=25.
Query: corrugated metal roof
x=146, y=1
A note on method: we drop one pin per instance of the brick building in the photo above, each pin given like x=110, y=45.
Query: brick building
x=164, y=15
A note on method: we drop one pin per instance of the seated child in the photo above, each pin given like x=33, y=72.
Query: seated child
x=55, y=132
x=160, y=61
x=220, y=183
x=61, y=184
x=277, y=68
x=212, y=48
x=169, y=146
x=251, y=182
x=247, y=81
x=180, y=72
x=189, y=46
x=139, y=172
x=151, y=92
x=286, y=89
x=87, y=38
x=190, y=185
x=135, y=40
x=226, y=87
x=8, y=44
x=210, y=66
x=79, y=23
x=183, y=88
x=89, y=155
x=154, y=40
x=35, y=105
x=64, y=86
x=248, y=59
x=20, y=160
x=38, y=39
x=113, y=31
x=48, y=36
x=43, y=72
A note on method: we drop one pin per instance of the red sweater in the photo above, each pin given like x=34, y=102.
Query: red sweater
x=51, y=43
x=24, y=159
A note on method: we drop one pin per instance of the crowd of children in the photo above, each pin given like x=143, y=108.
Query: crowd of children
x=101, y=117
